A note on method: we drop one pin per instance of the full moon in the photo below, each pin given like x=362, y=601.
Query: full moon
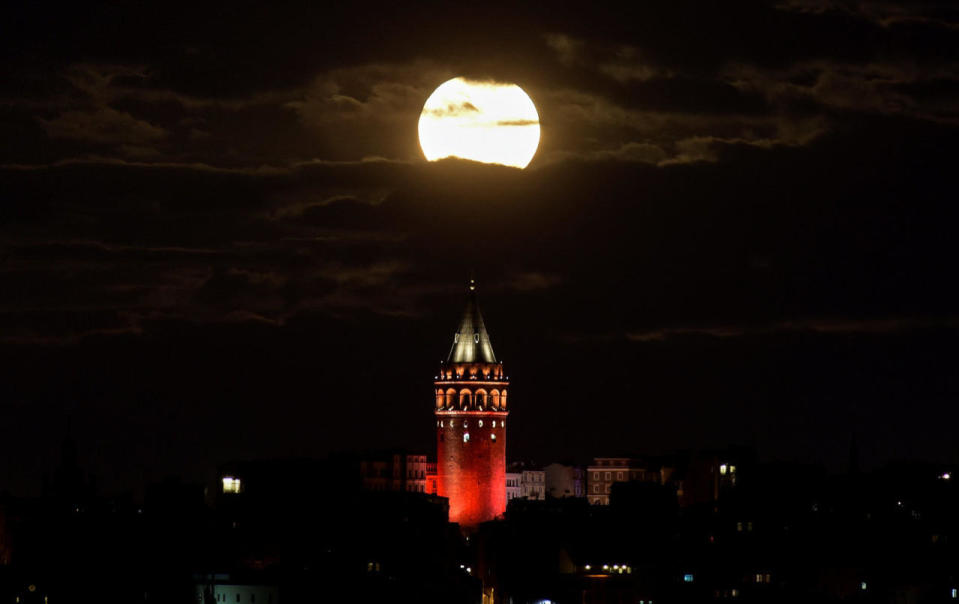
x=489, y=122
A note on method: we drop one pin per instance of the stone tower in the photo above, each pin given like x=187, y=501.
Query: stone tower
x=471, y=411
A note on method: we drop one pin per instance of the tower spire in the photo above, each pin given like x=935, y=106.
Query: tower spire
x=471, y=343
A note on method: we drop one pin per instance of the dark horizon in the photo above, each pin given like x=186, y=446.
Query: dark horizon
x=532, y=437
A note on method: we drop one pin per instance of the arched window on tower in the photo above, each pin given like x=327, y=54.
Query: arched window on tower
x=465, y=398
x=502, y=400
x=481, y=399
x=440, y=398
x=494, y=398
x=450, y=398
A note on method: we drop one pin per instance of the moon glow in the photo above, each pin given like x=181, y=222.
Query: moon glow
x=489, y=122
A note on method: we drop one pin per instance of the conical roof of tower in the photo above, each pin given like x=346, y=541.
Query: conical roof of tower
x=471, y=341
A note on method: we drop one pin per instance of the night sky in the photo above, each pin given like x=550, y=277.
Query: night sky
x=219, y=238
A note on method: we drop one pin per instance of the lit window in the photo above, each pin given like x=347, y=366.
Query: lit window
x=466, y=424
x=688, y=578
x=619, y=475
x=480, y=423
x=955, y=592
x=231, y=485
x=466, y=437
x=492, y=436
x=503, y=424
x=494, y=423
x=722, y=469
x=863, y=586
x=441, y=424
x=739, y=527
x=732, y=469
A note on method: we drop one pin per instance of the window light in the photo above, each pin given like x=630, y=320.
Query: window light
x=231, y=484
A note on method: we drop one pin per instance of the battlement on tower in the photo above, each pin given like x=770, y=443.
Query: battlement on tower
x=470, y=371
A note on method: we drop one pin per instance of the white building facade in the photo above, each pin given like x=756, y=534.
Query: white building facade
x=514, y=488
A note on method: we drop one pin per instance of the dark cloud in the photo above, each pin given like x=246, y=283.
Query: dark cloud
x=104, y=125
x=822, y=326
x=517, y=122
x=451, y=110
x=529, y=281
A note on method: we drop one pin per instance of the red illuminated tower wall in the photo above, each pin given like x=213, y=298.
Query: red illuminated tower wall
x=471, y=409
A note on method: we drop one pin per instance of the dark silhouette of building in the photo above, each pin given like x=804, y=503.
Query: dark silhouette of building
x=394, y=471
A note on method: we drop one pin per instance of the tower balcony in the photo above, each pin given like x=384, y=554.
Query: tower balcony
x=480, y=396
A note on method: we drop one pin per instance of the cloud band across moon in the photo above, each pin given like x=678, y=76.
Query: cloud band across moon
x=488, y=122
